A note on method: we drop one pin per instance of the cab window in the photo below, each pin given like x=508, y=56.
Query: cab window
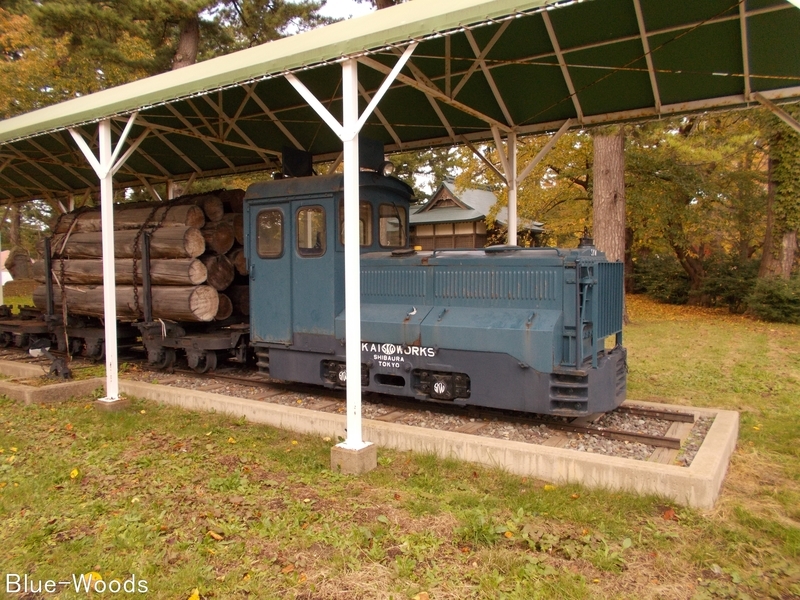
x=392, y=225
x=364, y=223
x=269, y=233
x=311, y=231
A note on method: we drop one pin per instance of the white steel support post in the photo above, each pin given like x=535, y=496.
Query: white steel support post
x=508, y=164
x=109, y=274
x=352, y=254
x=348, y=131
x=105, y=167
x=511, y=178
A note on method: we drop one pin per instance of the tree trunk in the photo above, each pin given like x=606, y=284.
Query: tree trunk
x=167, y=242
x=186, y=54
x=237, y=257
x=609, y=195
x=769, y=265
x=178, y=271
x=210, y=203
x=225, y=308
x=220, y=270
x=240, y=296
x=788, y=246
x=133, y=218
x=219, y=236
x=608, y=199
x=236, y=221
x=198, y=303
x=232, y=200
x=14, y=226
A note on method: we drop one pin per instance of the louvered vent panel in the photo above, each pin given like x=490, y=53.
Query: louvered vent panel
x=495, y=284
x=395, y=283
x=609, y=295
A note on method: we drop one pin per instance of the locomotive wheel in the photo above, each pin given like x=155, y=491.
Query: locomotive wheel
x=202, y=362
x=166, y=360
x=6, y=339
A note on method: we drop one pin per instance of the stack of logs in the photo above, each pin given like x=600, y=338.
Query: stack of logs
x=198, y=269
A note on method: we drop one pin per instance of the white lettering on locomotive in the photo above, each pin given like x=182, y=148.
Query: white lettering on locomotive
x=397, y=351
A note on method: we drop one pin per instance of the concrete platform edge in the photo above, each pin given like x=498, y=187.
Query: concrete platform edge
x=697, y=486
x=50, y=393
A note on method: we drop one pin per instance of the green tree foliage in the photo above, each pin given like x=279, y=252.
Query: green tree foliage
x=785, y=148
x=37, y=70
x=696, y=189
x=54, y=50
x=557, y=192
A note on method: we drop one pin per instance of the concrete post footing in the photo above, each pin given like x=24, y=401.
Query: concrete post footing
x=112, y=405
x=354, y=462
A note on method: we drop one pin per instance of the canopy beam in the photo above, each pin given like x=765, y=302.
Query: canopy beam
x=647, y=55
x=779, y=112
x=563, y=64
x=745, y=49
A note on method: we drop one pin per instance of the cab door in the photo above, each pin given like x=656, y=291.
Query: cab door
x=270, y=256
x=313, y=272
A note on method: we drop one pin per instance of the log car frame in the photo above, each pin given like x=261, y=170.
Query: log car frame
x=505, y=327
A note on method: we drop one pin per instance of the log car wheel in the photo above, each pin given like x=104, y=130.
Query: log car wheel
x=165, y=360
x=202, y=361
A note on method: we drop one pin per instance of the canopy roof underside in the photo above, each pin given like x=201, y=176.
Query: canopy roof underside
x=513, y=65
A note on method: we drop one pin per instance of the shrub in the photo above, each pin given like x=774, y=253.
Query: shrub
x=662, y=278
x=728, y=282
x=776, y=300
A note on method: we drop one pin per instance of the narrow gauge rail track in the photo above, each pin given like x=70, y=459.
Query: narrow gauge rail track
x=573, y=425
x=581, y=425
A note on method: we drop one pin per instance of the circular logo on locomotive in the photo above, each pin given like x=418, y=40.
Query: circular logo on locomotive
x=439, y=387
x=388, y=348
x=343, y=376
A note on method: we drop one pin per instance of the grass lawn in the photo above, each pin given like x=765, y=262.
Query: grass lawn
x=193, y=501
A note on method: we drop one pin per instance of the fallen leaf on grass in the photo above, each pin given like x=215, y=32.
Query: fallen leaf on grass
x=421, y=596
x=231, y=440
x=74, y=473
x=92, y=577
x=195, y=595
x=68, y=427
x=287, y=569
x=508, y=535
x=549, y=488
x=575, y=496
x=214, y=535
x=669, y=515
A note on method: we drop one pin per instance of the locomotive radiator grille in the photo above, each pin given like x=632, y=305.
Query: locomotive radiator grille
x=494, y=284
x=610, y=298
x=393, y=283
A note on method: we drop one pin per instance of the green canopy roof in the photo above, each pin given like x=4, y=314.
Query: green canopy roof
x=516, y=65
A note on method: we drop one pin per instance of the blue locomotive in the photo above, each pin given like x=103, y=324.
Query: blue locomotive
x=514, y=328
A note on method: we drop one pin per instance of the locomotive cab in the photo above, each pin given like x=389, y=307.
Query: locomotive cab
x=295, y=247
